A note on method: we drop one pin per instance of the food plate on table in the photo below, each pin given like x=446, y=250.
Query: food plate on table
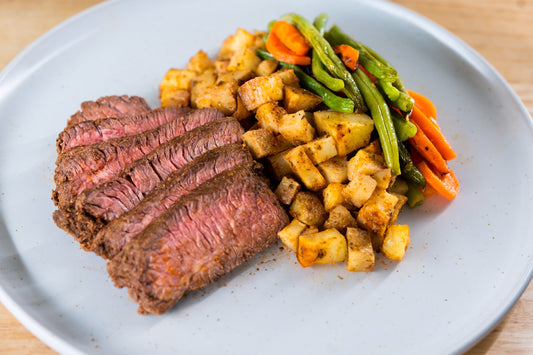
x=468, y=262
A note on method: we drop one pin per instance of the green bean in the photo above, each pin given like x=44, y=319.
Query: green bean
x=404, y=128
x=415, y=197
x=409, y=170
x=392, y=93
x=328, y=57
x=382, y=120
x=331, y=100
x=320, y=23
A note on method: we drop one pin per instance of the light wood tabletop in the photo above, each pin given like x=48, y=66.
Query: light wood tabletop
x=501, y=30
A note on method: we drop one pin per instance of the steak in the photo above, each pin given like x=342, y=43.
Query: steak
x=199, y=239
x=105, y=129
x=94, y=207
x=109, y=106
x=112, y=238
x=83, y=167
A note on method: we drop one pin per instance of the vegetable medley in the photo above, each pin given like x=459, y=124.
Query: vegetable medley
x=344, y=140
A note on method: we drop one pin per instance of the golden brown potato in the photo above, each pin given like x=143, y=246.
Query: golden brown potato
x=266, y=67
x=351, y=131
x=288, y=77
x=240, y=40
x=307, y=208
x=221, y=97
x=244, y=59
x=383, y=177
x=260, y=90
x=310, y=230
x=296, y=128
x=221, y=66
x=326, y=247
x=296, y=99
x=402, y=200
x=268, y=115
x=376, y=213
x=333, y=195
x=240, y=76
x=360, y=253
x=200, y=83
x=334, y=170
x=262, y=143
x=359, y=189
x=277, y=166
x=289, y=235
x=177, y=79
x=303, y=168
x=396, y=242
x=366, y=163
x=287, y=190
x=321, y=149
x=340, y=219
x=175, y=98
x=200, y=62
x=241, y=112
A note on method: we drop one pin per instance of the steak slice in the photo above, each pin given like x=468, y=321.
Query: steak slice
x=83, y=167
x=95, y=207
x=105, y=129
x=199, y=239
x=115, y=235
x=109, y=106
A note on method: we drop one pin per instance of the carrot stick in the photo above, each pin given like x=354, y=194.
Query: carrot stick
x=433, y=133
x=427, y=150
x=372, y=77
x=424, y=104
x=291, y=37
x=282, y=53
x=446, y=184
x=349, y=55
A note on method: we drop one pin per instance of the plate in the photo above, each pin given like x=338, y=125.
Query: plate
x=468, y=262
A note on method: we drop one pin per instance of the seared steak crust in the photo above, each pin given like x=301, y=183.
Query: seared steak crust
x=199, y=239
x=109, y=106
x=105, y=129
x=112, y=238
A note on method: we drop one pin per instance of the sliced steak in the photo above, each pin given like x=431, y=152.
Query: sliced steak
x=83, y=167
x=109, y=106
x=112, y=238
x=199, y=239
x=105, y=129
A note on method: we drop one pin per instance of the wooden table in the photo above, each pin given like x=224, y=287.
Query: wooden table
x=501, y=30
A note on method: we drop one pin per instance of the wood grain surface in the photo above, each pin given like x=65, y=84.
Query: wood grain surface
x=501, y=30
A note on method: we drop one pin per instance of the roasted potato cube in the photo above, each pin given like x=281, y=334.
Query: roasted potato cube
x=396, y=242
x=221, y=97
x=374, y=147
x=307, y=208
x=241, y=112
x=200, y=63
x=244, y=59
x=334, y=170
x=289, y=235
x=310, y=230
x=402, y=200
x=321, y=149
x=240, y=40
x=360, y=253
x=326, y=247
x=260, y=90
x=268, y=115
x=296, y=99
x=333, y=195
x=240, y=76
x=359, y=189
x=288, y=77
x=221, y=66
x=383, y=177
x=262, y=143
x=376, y=213
x=365, y=163
x=287, y=190
x=175, y=98
x=177, y=79
x=351, y=131
x=303, y=167
x=277, y=166
x=199, y=85
x=266, y=67
x=340, y=219
x=296, y=128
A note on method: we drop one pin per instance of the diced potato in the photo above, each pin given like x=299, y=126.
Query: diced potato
x=296, y=128
x=221, y=66
x=376, y=213
x=307, y=208
x=200, y=63
x=359, y=189
x=326, y=247
x=340, y=219
x=241, y=112
x=266, y=67
x=296, y=99
x=402, y=200
x=268, y=115
x=262, y=143
x=288, y=77
x=278, y=166
x=333, y=195
x=289, y=235
x=175, y=98
x=260, y=90
x=177, y=79
x=258, y=39
x=374, y=147
x=351, y=131
x=396, y=242
x=240, y=76
x=366, y=163
x=310, y=230
x=221, y=97
x=383, y=177
x=200, y=83
x=240, y=40
x=321, y=149
x=244, y=59
x=303, y=167
x=334, y=170
x=287, y=190
x=360, y=253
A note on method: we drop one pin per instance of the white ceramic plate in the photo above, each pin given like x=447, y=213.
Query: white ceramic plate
x=468, y=262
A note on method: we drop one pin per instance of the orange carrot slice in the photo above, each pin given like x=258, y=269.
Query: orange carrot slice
x=349, y=55
x=427, y=150
x=446, y=185
x=284, y=54
x=291, y=37
x=433, y=133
